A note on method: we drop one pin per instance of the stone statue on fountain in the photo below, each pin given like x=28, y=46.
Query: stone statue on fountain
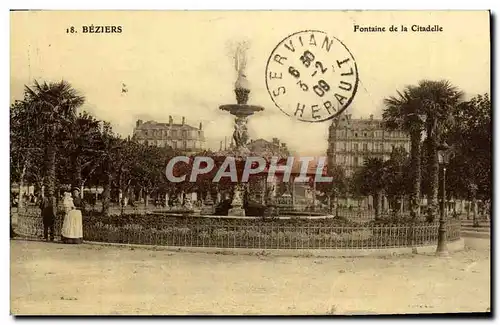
x=270, y=200
x=240, y=134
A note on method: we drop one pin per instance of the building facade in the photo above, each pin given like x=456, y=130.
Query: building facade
x=182, y=137
x=266, y=148
x=352, y=141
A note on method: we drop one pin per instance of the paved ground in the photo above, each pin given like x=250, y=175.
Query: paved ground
x=64, y=279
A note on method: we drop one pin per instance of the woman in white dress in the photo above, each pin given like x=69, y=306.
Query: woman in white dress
x=71, y=232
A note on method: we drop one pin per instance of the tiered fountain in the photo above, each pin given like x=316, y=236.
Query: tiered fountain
x=241, y=111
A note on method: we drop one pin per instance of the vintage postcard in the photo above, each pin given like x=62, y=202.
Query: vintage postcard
x=250, y=162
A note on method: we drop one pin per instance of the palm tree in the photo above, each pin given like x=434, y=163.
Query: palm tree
x=80, y=137
x=53, y=104
x=404, y=112
x=438, y=99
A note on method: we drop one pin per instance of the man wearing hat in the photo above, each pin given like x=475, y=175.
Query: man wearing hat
x=48, y=207
x=77, y=201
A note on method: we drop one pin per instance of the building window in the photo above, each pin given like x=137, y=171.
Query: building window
x=366, y=134
x=356, y=160
x=365, y=146
x=356, y=134
x=356, y=146
x=174, y=134
x=184, y=144
x=184, y=134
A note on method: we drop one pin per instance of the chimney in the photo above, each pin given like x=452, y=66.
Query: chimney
x=138, y=123
x=183, y=120
x=201, y=126
x=170, y=120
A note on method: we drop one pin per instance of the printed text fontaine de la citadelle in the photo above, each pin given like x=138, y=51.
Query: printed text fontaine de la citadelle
x=398, y=28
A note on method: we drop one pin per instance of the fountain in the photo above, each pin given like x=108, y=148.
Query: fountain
x=241, y=110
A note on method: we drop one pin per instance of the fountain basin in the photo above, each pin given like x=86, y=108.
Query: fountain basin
x=241, y=109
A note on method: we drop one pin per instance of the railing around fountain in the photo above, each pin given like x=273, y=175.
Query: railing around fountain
x=256, y=233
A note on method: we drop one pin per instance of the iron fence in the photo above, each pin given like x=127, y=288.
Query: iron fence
x=253, y=234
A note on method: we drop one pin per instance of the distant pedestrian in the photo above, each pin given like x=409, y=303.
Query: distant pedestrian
x=48, y=211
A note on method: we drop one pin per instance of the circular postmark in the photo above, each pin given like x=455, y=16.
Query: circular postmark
x=311, y=76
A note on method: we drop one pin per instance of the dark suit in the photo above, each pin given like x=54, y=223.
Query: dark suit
x=77, y=202
x=47, y=205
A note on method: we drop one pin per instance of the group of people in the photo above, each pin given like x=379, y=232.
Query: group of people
x=72, y=229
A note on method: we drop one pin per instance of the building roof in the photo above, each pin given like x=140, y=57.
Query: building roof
x=157, y=125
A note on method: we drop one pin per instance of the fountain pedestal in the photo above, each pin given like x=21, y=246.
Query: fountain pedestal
x=241, y=111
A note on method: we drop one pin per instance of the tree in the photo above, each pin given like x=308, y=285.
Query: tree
x=25, y=146
x=470, y=168
x=53, y=104
x=106, y=146
x=397, y=184
x=471, y=137
x=148, y=172
x=370, y=180
x=403, y=112
x=439, y=99
x=333, y=189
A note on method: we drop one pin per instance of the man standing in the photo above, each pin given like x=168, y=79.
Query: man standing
x=77, y=201
x=48, y=207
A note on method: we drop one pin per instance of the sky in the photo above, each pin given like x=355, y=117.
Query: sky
x=180, y=63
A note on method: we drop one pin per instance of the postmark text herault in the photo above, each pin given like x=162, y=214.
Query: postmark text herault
x=312, y=76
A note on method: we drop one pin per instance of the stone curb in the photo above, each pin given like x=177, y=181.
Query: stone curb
x=455, y=246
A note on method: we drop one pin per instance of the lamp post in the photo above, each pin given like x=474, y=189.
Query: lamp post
x=443, y=158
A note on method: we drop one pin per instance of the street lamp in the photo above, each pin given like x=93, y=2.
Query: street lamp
x=444, y=155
